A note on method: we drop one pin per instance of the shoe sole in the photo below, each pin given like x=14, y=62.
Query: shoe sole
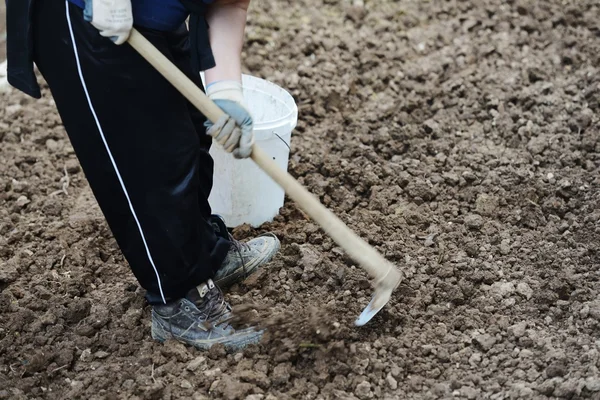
x=238, y=275
x=232, y=343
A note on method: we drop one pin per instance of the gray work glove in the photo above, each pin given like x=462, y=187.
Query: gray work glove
x=234, y=131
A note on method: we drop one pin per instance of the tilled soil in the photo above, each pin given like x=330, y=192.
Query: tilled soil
x=461, y=138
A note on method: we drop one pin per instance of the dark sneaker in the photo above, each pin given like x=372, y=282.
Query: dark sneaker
x=243, y=258
x=201, y=320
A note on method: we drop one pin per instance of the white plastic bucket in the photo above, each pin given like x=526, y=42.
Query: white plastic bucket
x=242, y=192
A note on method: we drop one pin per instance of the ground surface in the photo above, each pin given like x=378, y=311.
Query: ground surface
x=461, y=138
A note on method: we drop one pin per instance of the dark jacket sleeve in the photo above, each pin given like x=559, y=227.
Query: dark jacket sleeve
x=202, y=55
x=19, y=46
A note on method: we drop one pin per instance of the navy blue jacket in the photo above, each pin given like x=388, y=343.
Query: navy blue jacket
x=162, y=15
x=19, y=39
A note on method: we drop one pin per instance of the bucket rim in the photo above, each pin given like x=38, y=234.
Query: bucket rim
x=291, y=116
x=288, y=117
x=288, y=101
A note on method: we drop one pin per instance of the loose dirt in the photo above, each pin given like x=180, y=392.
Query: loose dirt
x=461, y=138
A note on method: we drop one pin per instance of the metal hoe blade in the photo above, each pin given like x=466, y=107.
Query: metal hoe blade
x=383, y=292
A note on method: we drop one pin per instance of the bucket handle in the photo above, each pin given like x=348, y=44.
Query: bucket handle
x=284, y=142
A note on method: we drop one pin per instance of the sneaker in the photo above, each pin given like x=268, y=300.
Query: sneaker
x=201, y=319
x=243, y=258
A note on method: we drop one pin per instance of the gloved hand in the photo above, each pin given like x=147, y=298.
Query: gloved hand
x=113, y=18
x=235, y=129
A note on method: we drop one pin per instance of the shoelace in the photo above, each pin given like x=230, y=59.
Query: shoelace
x=218, y=306
x=239, y=247
x=215, y=309
x=213, y=306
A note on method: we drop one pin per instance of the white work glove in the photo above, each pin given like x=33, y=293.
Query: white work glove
x=113, y=18
x=234, y=131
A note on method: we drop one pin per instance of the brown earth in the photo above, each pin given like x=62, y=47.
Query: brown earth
x=461, y=138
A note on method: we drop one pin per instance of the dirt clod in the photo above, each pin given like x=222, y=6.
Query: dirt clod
x=474, y=221
x=196, y=363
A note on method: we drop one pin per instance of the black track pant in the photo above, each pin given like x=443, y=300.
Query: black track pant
x=142, y=146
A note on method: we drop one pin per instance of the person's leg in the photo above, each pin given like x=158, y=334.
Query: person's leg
x=243, y=258
x=138, y=147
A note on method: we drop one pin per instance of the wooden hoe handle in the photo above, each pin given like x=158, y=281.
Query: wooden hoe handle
x=369, y=258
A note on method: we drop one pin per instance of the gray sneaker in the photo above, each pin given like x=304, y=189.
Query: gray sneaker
x=201, y=320
x=243, y=258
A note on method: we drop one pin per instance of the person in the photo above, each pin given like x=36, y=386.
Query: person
x=144, y=149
